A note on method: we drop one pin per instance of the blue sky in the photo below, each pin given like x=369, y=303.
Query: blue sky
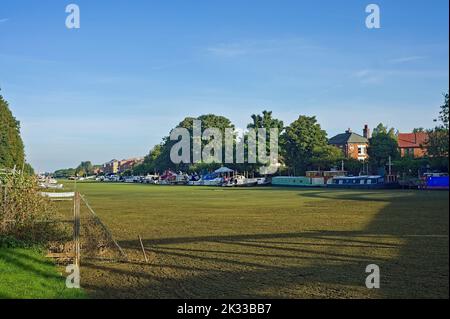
x=117, y=85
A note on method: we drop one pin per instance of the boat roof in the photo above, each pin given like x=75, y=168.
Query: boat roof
x=358, y=177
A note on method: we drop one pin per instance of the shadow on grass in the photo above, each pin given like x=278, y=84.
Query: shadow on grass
x=410, y=246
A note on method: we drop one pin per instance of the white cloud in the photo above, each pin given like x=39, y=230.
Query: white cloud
x=227, y=51
x=406, y=59
x=246, y=47
x=367, y=76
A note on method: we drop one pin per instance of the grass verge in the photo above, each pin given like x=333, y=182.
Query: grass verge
x=26, y=274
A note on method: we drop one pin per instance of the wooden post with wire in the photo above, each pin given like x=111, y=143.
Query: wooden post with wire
x=143, y=249
x=76, y=227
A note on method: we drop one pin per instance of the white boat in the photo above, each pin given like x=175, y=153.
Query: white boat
x=196, y=183
x=129, y=179
x=213, y=182
x=240, y=181
x=261, y=181
x=151, y=179
x=51, y=186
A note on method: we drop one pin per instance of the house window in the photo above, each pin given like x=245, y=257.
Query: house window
x=409, y=152
x=361, y=150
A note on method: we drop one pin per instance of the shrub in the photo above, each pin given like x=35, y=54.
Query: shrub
x=25, y=214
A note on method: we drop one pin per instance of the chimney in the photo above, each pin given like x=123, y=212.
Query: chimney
x=366, y=131
x=349, y=130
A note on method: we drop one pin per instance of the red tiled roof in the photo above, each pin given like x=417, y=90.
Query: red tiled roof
x=410, y=140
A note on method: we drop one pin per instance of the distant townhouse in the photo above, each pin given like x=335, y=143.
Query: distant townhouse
x=128, y=164
x=352, y=144
x=117, y=167
x=412, y=144
x=112, y=167
x=98, y=170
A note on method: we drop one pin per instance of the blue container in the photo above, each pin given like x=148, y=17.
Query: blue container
x=437, y=182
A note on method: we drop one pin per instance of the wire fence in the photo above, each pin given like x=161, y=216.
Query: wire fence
x=78, y=231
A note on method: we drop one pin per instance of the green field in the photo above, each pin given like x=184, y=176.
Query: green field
x=27, y=274
x=207, y=242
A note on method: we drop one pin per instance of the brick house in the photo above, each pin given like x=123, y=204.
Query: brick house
x=128, y=164
x=412, y=144
x=115, y=166
x=112, y=167
x=352, y=144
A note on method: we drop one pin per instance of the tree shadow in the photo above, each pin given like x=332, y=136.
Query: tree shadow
x=409, y=245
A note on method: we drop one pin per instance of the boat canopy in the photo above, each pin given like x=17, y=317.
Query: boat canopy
x=223, y=169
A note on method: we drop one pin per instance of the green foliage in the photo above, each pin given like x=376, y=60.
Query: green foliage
x=28, y=169
x=443, y=114
x=159, y=159
x=353, y=166
x=148, y=166
x=266, y=120
x=11, y=242
x=299, y=141
x=11, y=145
x=84, y=169
x=23, y=210
x=382, y=145
x=410, y=167
x=438, y=140
x=64, y=173
x=382, y=129
x=325, y=157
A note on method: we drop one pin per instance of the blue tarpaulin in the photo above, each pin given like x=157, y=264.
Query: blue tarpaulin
x=437, y=182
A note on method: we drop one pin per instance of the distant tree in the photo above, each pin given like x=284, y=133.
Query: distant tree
x=84, y=169
x=148, y=166
x=410, y=167
x=326, y=157
x=418, y=130
x=28, y=169
x=64, y=173
x=353, y=166
x=268, y=122
x=443, y=114
x=163, y=161
x=437, y=145
x=382, y=129
x=11, y=145
x=299, y=141
x=382, y=145
x=265, y=120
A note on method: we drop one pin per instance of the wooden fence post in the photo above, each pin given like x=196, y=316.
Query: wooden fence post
x=143, y=249
x=76, y=227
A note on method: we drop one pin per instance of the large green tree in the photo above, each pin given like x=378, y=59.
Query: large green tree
x=384, y=129
x=438, y=139
x=11, y=144
x=382, y=145
x=326, y=157
x=64, y=173
x=163, y=161
x=300, y=143
x=149, y=164
x=267, y=121
x=84, y=169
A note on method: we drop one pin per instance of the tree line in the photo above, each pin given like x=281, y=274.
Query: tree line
x=12, y=151
x=303, y=145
